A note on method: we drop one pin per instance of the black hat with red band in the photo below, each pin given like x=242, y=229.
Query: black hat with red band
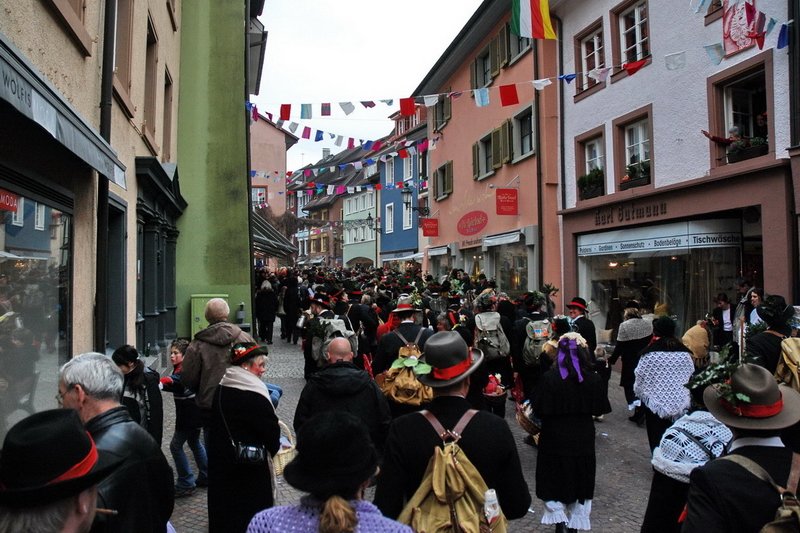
x=48, y=457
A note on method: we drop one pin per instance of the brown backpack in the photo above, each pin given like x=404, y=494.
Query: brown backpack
x=400, y=383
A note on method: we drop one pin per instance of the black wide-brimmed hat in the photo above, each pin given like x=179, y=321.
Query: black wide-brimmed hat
x=771, y=406
x=322, y=299
x=774, y=311
x=450, y=358
x=48, y=457
x=335, y=455
x=578, y=303
x=242, y=351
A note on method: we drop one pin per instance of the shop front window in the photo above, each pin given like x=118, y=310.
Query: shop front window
x=512, y=269
x=35, y=321
x=670, y=270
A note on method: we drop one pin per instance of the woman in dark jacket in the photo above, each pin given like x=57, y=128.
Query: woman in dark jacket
x=266, y=309
x=242, y=413
x=291, y=306
x=633, y=337
x=568, y=396
x=141, y=394
x=764, y=348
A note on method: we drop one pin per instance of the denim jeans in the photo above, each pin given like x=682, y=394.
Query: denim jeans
x=186, y=478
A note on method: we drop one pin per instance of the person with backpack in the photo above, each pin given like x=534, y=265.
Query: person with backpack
x=737, y=492
x=486, y=440
x=492, y=331
x=530, y=334
x=320, y=330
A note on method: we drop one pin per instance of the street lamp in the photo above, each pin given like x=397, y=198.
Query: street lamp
x=375, y=225
x=407, y=192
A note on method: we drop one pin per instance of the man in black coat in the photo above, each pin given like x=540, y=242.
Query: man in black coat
x=141, y=489
x=486, y=440
x=530, y=374
x=391, y=343
x=581, y=324
x=341, y=386
x=725, y=495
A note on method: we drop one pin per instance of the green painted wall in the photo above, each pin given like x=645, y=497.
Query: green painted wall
x=213, y=246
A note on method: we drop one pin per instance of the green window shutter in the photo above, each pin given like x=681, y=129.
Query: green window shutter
x=494, y=56
x=436, y=176
x=449, y=177
x=508, y=147
x=476, y=161
x=448, y=109
x=497, y=148
x=502, y=39
x=473, y=74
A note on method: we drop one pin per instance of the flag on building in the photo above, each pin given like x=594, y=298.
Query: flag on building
x=531, y=18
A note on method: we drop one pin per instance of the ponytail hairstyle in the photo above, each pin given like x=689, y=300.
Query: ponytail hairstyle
x=337, y=516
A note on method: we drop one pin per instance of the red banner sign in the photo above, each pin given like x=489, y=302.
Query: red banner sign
x=8, y=201
x=472, y=223
x=507, y=201
x=430, y=227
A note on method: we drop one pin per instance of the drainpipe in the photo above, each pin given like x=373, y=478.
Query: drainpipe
x=539, y=179
x=794, y=122
x=101, y=262
x=561, y=143
x=251, y=214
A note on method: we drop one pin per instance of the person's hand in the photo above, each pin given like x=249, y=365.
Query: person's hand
x=704, y=132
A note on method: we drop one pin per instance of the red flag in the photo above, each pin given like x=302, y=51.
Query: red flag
x=378, y=186
x=255, y=114
x=398, y=184
x=351, y=143
x=407, y=107
x=634, y=66
x=508, y=95
x=286, y=111
x=326, y=110
x=376, y=146
x=403, y=153
x=758, y=38
x=750, y=12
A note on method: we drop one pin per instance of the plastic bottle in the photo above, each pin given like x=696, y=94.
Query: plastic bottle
x=490, y=506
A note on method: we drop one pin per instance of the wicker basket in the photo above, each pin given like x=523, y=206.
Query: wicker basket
x=525, y=422
x=284, y=455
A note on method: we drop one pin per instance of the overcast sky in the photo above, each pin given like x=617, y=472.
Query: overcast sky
x=350, y=50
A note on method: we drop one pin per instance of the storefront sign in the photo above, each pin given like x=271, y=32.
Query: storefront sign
x=628, y=212
x=472, y=223
x=430, y=227
x=507, y=201
x=8, y=201
x=684, y=236
x=470, y=243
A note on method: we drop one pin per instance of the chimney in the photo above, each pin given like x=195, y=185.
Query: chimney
x=326, y=153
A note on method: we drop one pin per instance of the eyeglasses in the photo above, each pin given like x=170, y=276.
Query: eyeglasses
x=60, y=395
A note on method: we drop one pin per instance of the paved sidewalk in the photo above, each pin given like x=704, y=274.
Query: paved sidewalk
x=623, y=467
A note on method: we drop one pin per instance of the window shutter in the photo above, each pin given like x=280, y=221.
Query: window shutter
x=447, y=105
x=448, y=177
x=476, y=161
x=473, y=75
x=497, y=149
x=436, y=177
x=494, y=56
x=506, y=135
x=503, y=48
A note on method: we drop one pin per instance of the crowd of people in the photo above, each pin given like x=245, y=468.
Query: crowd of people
x=397, y=365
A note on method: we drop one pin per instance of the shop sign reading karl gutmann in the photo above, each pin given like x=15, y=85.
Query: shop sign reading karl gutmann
x=679, y=236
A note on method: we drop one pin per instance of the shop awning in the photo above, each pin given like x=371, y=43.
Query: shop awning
x=503, y=238
x=441, y=250
x=268, y=240
x=316, y=260
x=32, y=95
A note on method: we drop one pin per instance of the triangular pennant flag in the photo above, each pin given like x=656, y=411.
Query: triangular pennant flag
x=758, y=38
x=675, y=61
x=368, y=103
x=318, y=136
x=716, y=52
x=599, y=74
x=279, y=123
x=325, y=111
x=403, y=153
x=634, y=66
x=330, y=189
x=358, y=188
x=390, y=101
x=351, y=143
x=377, y=146
x=541, y=84
x=255, y=113
x=508, y=95
x=700, y=5
x=455, y=94
x=252, y=173
x=378, y=186
x=783, y=36
x=350, y=190
x=286, y=111
x=770, y=26
x=367, y=146
x=481, y=97
x=347, y=107
x=423, y=146
x=407, y=107
x=338, y=141
x=306, y=133
x=567, y=77
x=412, y=151
x=358, y=165
x=750, y=11
x=305, y=110
x=430, y=100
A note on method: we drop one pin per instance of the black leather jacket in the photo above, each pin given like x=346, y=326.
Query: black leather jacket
x=141, y=489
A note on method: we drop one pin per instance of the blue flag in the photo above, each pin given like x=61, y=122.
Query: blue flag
x=783, y=36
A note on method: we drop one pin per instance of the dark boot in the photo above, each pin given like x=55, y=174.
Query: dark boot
x=561, y=527
x=638, y=416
